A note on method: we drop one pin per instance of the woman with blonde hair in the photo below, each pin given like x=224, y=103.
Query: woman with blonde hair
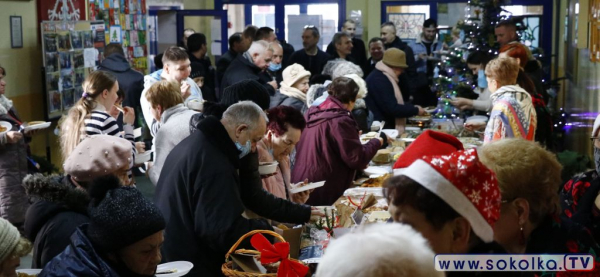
x=90, y=114
x=529, y=223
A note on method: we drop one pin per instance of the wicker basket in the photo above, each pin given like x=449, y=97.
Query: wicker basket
x=227, y=267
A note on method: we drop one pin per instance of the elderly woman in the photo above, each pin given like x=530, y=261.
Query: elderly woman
x=12, y=248
x=330, y=149
x=283, y=133
x=529, y=222
x=13, y=160
x=293, y=88
x=513, y=114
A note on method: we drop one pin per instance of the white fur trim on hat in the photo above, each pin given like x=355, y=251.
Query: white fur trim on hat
x=422, y=173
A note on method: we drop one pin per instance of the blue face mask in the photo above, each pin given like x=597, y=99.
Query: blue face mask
x=245, y=149
x=274, y=67
x=481, y=80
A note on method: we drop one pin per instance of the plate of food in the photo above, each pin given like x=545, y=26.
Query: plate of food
x=377, y=170
x=29, y=272
x=300, y=187
x=477, y=119
x=35, y=125
x=376, y=182
x=174, y=269
x=368, y=136
x=269, y=168
x=391, y=133
x=5, y=126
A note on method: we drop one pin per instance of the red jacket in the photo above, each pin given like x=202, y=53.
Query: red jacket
x=330, y=150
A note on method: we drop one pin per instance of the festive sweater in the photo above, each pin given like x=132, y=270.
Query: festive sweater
x=512, y=115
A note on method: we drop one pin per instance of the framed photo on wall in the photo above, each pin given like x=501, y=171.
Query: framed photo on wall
x=16, y=31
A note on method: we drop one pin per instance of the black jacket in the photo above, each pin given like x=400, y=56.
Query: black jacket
x=223, y=63
x=199, y=195
x=280, y=99
x=242, y=69
x=406, y=81
x=382, y=102
x=58, y=210
x=359, y=53
x=131, y=81
x=314, y=64
x=288, y=50
x=204, y=69
x=268, y=75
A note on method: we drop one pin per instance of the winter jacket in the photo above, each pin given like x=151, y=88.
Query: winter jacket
x=512, y=115
x=173, y=129
x=330, y=150
x=130, y=81
x=79, y=259
x=364, y=118
x=314, y=64
x=222, y=65
x=149, y=80
x=280, y=99
x=577, y=201
x=268, y=76
x=199, y=195
x=58, y=209
x=358, y=54
x=382, y=102
x=243, y=69
x=406, y=81
x=418, y=48
x=13, y=168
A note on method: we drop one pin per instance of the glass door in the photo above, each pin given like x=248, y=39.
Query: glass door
x=325, y=17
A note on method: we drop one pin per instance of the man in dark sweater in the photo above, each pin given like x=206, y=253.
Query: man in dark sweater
x=311, y=57
x=199, y=189
x=390, y=40
x=235, y=47
x=358, y=54
x=201, y=66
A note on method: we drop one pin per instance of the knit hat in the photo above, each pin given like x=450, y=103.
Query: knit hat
x=250, y=90
x=394, y=57
x=362, y=86
x=98, y=155
x=429, y=143
x=465, y=184
x=120, y=216
x=344, y=68
x=293, y=74
x=596, y=126
x=9, y=238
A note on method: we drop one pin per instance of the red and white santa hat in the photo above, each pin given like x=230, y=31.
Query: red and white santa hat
x=463, y=182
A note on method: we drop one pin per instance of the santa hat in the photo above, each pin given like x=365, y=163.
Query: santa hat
x=465, y=184
x=429, y=143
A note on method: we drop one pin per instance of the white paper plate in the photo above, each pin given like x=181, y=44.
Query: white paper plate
x=307, y=187
x=182, y=268
x=141, y=158
x=477, y=118
x=376, y=170
x=6, y=125
x=391, y=133
x=30, y=271
x=37, y=125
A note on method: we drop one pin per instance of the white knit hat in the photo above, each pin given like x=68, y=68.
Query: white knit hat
x=293, y=74
x=362, y=86
x=9, y=238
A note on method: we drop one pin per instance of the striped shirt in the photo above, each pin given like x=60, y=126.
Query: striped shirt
x=101, y=123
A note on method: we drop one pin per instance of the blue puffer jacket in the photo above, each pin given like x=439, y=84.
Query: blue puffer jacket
x=419, y=48
x=78, y=259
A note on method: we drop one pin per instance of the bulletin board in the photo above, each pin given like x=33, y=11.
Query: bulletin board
x=71, y=50
x=125, y=22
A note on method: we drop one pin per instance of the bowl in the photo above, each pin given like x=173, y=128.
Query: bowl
x=141, y=158
x=267, y=168
x=6, y=126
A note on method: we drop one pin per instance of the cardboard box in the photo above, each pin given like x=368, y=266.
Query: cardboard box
x=293, y=237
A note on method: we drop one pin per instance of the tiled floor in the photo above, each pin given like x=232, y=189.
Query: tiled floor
x=142, y=183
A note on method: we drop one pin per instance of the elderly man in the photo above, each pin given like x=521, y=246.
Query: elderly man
x=199, y=189
x=376, y=49
x=249, y=65
x=358, y=50
x=311, y=57
x=424, y=49
x=176, y=67
x=273, y=72
x=506, y=32
x=390, y=40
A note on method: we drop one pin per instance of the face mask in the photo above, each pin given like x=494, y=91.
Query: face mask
x=597, y=159
x=245, y=150
x=274, y=67
x=481, y=80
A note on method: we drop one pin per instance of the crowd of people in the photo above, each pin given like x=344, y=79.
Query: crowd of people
x=210, y=128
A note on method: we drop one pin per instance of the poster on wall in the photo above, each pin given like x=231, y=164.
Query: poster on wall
x=408, y=25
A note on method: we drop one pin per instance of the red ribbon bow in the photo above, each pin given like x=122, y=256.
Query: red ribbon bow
x=272, y=253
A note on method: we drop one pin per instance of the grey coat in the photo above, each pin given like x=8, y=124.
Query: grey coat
x=13, y=168
x=174, y=127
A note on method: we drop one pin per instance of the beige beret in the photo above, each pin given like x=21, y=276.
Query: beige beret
x=98, y=155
